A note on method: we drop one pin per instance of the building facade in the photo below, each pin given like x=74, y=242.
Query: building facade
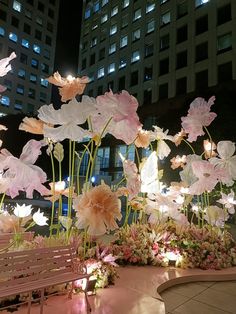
x=29, y=28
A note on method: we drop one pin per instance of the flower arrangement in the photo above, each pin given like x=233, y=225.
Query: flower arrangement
x=184, y=221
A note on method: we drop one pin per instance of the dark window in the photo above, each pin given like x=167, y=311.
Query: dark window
x=1, y=47
x=20, y=89
x=224, y=43
x=8, y=84
x=38, y=34
x=3, y=15
x=102, y=53
x=52, y=2
x=14, y=21
x=23, y=58
x=134, y=78
x=224, y=14
x=201, y=25
x=30, y=2
x=201, y=80
x=201, y=52
x=51, y=13
x=30, y=108
x=27, y=28
x=110, y=85
x=147, y=73
x=49, y=27
x=92, y=59
x=181, y=59
x=45, y=67
x=31, y=93
x=163, y=91
x=225, y=72
x=83, y=65
x=182, y=9
x=148, y=50
x=100, y=90
x=121, y=84
x=147, y=96
x=181, y=86
x=182, y=34
x=164, y=42
x=48, y=40
x=164, y=66
x=41, y=6
x=42, y=97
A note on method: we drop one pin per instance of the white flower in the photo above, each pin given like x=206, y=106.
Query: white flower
x=66, y=222
x=39, y=218
x=216, y=216
x=187, y=174
x=158, y=134
x=22, y=210
x=228, y=201
x=226, y=160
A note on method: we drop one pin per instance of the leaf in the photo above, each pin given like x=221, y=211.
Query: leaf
x=58, y=152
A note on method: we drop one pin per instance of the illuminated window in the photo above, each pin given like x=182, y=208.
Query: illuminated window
x=25, y=43
x=113, y=29
x=33, y=78
x=104, y=18
x=122, y=63
x=150, y=26
x=96, y=7
x=93, y=42
x=21, y=73
x=112, y=48
x=87, y=14
x=137, y=15
x=17, y=6
x=39, y=20
x=165, y=18
x=114, y=10
x=111, y=68
x=135, y=56
x=125, y=3
x=43, y=82
x=36, y=49
x=34, y=63
x=13, y=37
x=123, y=41
x=136, y=34
x=20, y=89
x=2, y=31
x=200, y=2
x=5, y=101
x=104, y=2
x=101, y=72
x=127, y=151
x=18, y=105
x=150, y=7
x=224, y=42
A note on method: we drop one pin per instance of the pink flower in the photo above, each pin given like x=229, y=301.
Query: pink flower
x=5, y=67
x=21, y=173
x=132, y=177
x=122, y=109
x=199, y=115
x=208, y=176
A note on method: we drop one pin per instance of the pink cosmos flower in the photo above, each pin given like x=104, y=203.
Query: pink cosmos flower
x=122, y=109
x=208, y=176
x=228, y=201
x=5, y=67
x=132, y=177
x=199, y=115
x=21, y=174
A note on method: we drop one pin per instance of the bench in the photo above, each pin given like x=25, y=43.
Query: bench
x=37, y=269
x=7, y=239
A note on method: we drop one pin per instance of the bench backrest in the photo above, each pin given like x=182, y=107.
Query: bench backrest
x=5, y=238
x=23, y=266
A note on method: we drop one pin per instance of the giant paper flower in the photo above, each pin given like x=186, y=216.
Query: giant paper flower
x=228, y=201
x=121, y=108
x=216, y=216
x=199, y=115
x=39, y=218
x=22, y=210
x=68, y=117
x=5, y=67
x=132, y=177
x=32, y=125
x=187, y=174
x=161, y=136
x=69, y=87
x=142, y=139
x=21, y=174
x=226, y=160
x=98, y=209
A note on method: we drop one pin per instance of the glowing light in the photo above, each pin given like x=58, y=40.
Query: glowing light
x=70, y=78
x=60, y=186
x=171, y=256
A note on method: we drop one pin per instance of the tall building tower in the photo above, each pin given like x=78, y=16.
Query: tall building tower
x=157, y=49
x=29, y=28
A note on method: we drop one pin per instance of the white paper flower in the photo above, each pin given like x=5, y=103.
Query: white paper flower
x=39, y=218
x=228, y=201
x=22, y=210
x=158, y=134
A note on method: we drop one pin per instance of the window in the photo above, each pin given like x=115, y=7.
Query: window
x=225, y=72
x=48, y=40
x=14, y=21
x=13, y=37
x=5, y=101
x=45, y=67
x=150, y=26
x=181, y=86
x=33, y=78
x=38, y=34
x=87, y=13
x=104, y=2
x=181, y=59
x=148, y=50
x=95, y=25
x=93, y=42
x=18, y=105
x=2, y=32
x=23, y=58
x=47, y=54
x=100, y=90
x=43, y=82
x=224, y=14
x=51, y=13
x=114, y=10
x=137, y=14
x=102, y=53
x=201, y=80
x=147, y=73
x=164, y=42
x=125, y=4
x=112, y=48
x=134, y=78
x=111, y=68
x=83, y=65
x=224, y=43
x=165, y=18
x=198, y=3
x=110, y=85
x=28, y=14
x=96, y=7
x=201, y=25
x=122, y=63
x=41, y=6
x=163, y=1
x=104, y=18
x=92, y=59
x=121, y=83
x=101, y=72
x=39, y=20
x=25, y=43
x=113, y=29
x=21, y=73
x=31, y=93
x=150, y=7
x=20, y=89
x=201, y=52
x=3, y=15
x=182, y=34
x=135, y=56
x=8, y=84
x=30, y=108
x=36, y=49
x=182, y=9
x=127, y=151
x=49, y=27
x=27, y=28
x=163, y=91
x=17, y=6
x=136, y=34
x=124, y=21
x=164, y=66
x=123, y=41
x=147, y=96
x=34, y=63
x=103, y=155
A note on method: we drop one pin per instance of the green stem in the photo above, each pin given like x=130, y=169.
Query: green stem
x=189, y=145
x=53, y=193
x=2, y=199
x=71, y=175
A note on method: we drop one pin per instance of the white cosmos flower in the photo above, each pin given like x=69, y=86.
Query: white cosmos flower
x=22, y=210
x=228, y=201
x=39, y=218
x=161, y=136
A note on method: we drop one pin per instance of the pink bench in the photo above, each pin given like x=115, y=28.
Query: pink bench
x=6, y=239
x=37, y=269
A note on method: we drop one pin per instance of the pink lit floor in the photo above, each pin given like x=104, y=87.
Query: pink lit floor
x=136, y=291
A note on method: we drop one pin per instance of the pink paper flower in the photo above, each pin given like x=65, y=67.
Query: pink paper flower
x=199, y=115
x=21, y=173
x=132, y=177
x=5, y=67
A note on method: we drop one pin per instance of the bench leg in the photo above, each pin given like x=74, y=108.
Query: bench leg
x=41, y=301
x=70, y=294
x=88, y=306
x=29, y=302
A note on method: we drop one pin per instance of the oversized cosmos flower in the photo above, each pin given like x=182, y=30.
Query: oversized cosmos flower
x=5, y=67
x=216, y=216
x=39, y=218
x=142, y=139
x=228, y=201
x=161, y=136
x=132, y=177
x=32, y=125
